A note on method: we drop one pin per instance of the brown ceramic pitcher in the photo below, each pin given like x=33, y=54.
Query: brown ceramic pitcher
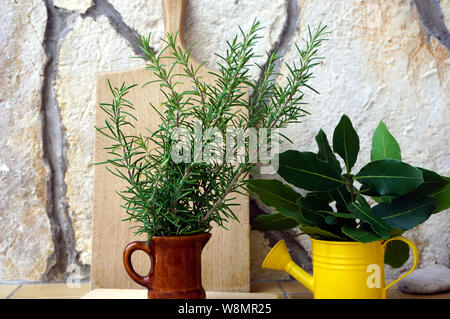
x=176, y=266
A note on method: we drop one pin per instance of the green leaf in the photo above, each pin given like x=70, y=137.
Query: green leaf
x=309, y=206
x=384, y=144
x=313, y=203
x=396, y=232
x=342, y=197
x=443, y=196
x=377, y=199
x=305, y=170
x=432, y=182
x=330, y=220
x=346, y=142
x=337, y=214
x=323, y=196
x=366, y=190
x=364, y=213
x=307, y=220
x=383, y=199
x=275, y=221
x=325, y=152
x=358, y=234
x=318, y=233
x=390, y=177
x=397, y=253
x=275, y=194
x=362, y=201
x=405, y=212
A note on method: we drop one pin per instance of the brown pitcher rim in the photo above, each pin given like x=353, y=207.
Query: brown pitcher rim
x=179, y=237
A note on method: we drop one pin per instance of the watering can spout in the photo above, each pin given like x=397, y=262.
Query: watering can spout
x=279, y=259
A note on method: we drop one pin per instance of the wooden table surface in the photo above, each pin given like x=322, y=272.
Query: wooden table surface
x=261, y=290
x=142, y=294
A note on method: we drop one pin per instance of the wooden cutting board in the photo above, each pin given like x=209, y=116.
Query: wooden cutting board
x=225, y=259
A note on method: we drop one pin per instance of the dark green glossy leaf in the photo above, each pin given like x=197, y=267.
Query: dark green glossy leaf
x=346, y=142
x=342, y=197
x=330, y=220
x=432, y=182
x=396, y=254
x=362, y=201
x=383, y=199
x=275, y=221
x=275, y=194
x=405, y=212
x=337, y=214
x=305, y=170
x=313, y=203
x=307, y=220
x=318, y=233
x=396, y=232
x=309, y=207
x=377, y=199
x=364, y=213
x=325, y=152
x=443, y=196
x=323, y=196
x=390, y=177
x=384, y=145
x=366, y=190
x=361, y=235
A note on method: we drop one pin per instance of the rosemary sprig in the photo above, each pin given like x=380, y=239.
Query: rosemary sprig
x=168, y=197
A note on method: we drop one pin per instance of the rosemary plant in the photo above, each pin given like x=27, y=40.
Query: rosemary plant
x=166, y=196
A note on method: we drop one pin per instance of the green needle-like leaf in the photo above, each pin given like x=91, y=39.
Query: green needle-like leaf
x=171, y=196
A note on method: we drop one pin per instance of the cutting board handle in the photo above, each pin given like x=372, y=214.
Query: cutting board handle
x=173, y=14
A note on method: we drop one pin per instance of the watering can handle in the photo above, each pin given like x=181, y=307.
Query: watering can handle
x=416, y=258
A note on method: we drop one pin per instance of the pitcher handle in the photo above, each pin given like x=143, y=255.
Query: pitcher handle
x=416, y=258
x=129, y=249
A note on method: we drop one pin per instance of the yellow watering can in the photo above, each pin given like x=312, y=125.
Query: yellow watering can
x=341, y=270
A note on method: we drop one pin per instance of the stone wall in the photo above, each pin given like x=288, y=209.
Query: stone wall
x=385, y=60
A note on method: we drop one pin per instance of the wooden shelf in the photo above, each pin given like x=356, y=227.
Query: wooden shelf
x=260, y=290
x=142, y=294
